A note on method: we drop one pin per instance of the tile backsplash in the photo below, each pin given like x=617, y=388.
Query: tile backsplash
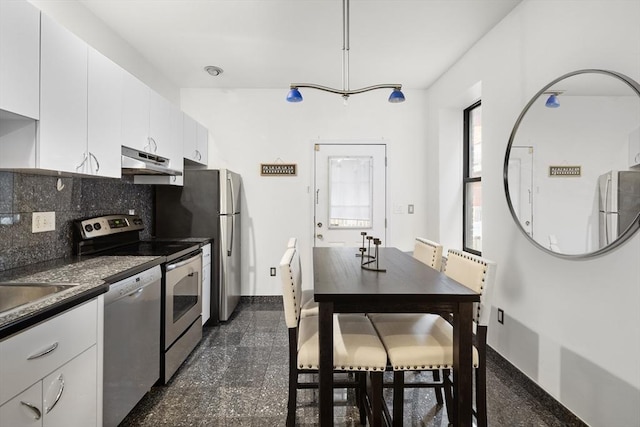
x=22, y=194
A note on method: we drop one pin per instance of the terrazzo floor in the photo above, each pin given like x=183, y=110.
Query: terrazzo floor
x=237, y=376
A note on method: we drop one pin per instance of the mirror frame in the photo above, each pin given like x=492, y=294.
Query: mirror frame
x=630, y=231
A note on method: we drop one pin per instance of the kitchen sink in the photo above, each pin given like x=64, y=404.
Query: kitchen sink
x=13, y=295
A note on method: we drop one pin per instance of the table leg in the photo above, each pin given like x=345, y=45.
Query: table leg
x=325, y=333
x=462, y=365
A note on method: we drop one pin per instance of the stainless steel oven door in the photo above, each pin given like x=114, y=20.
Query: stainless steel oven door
x=183, y=296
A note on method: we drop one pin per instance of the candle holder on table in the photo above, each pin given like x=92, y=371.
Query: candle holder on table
x=372, y=263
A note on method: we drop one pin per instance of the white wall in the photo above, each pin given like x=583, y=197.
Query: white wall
x=249, y=127
x=572, y=326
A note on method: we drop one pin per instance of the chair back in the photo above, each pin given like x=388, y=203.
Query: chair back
x=292, y=243
x=473, y=271
x=428, y=252
x=291, y=277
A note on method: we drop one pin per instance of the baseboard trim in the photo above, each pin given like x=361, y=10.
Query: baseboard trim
x=508, y=372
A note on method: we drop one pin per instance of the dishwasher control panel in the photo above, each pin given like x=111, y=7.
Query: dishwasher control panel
x=133, y=284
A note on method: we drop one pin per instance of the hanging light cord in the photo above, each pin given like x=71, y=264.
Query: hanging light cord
x=346, y=92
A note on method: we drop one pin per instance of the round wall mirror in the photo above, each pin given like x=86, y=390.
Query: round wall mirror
x=572, y=166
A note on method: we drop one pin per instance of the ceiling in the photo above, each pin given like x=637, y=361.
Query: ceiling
x=272, y=43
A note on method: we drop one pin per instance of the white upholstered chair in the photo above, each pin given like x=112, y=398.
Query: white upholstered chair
x=428, y=252
x=308, y=306
x=357, y=347
x=416, y=342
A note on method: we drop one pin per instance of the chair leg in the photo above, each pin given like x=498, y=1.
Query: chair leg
x=361, y=392
x=448, y=392
x=291, y=403
x=293, y=379
x=437, y=390
x=376, y=399
x=398, y=398
x=481, y=377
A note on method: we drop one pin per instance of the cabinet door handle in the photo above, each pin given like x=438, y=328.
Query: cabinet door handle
x=83, y=162
x=44, y=352
x=97, y=162
x=147, y=147
x=199, y=155
x=36, y=412
x=155, y=146
x=58, y=396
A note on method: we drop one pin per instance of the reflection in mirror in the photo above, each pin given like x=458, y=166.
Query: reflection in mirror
x=572, y=181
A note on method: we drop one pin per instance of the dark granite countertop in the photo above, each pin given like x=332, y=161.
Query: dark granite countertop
x=92, y=276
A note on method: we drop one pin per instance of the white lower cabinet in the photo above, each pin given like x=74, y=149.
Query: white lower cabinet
x=67, y=397
x=50, y=373
x=23, y=410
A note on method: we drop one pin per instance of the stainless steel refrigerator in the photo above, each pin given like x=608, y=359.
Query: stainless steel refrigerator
x=619, y=203
x=208, y=205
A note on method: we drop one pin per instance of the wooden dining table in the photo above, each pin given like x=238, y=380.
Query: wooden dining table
x=341, y=285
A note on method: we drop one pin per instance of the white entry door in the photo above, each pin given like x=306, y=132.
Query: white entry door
x=350, y=193
x=521, y=185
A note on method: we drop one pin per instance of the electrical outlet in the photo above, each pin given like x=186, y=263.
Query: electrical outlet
x=43, y=221
x=272, y=271
x=501, y=316
x=410, y=209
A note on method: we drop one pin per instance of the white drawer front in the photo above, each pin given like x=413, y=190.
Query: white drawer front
x=68, y=334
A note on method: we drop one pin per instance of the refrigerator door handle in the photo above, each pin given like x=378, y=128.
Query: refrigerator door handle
x=233, y=196
x=233, y=220
x=231, y=216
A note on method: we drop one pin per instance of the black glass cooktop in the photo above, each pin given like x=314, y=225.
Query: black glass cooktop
x=171, y=250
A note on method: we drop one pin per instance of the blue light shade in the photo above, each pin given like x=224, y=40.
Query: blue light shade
x=552, y=102
x=294, y=95
x=396, y=96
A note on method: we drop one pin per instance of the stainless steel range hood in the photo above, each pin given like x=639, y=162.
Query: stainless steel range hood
x=137, y=162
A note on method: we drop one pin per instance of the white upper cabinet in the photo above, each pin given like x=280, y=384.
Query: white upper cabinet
x=19, y=58
x=63, y=99
x=167, y=140
x=104, y=117
x=195, y=141
x=135, y=113
x=160, y=131
x=189, y=138
x=203, y=143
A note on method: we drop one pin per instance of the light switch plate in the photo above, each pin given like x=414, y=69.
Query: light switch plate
x=410, y=209
x=43, y=221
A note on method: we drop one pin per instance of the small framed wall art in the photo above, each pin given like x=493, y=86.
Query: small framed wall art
x=278, y=169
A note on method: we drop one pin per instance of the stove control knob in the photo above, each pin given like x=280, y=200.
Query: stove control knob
x=88, y=228
x=97, y=226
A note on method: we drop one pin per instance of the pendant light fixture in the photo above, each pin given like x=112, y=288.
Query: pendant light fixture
x=552, y=101
x=294, y=94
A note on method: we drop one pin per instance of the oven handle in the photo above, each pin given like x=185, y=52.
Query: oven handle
x=182, y=263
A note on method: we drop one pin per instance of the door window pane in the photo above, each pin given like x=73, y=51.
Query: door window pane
x=473, y=215
x=350, y=192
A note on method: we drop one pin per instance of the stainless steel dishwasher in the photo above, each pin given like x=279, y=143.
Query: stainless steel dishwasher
x=131, y=342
